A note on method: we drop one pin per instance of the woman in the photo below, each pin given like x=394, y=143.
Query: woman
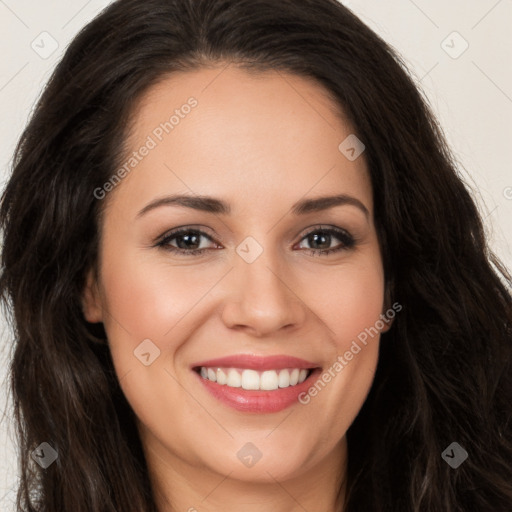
x=247, y=373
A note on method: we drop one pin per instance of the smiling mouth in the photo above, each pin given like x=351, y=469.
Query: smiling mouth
x=249, y=379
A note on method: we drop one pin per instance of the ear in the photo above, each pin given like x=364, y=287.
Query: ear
x=388, y=321
x=91, y=300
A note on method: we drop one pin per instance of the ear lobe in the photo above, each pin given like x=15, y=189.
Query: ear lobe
x=91, y=303
x=388, y=322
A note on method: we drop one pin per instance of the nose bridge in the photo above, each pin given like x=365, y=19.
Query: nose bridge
x=262, y=297
x=258, y=272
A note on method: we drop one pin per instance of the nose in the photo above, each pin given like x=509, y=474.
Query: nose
x=261, y=299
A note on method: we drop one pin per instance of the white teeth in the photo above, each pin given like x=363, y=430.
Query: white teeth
x=222, y=378
x=284, y=378
x=267, y=380
x=234, y=379
x=250, y=379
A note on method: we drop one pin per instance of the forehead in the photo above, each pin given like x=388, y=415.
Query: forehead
x=226, y=132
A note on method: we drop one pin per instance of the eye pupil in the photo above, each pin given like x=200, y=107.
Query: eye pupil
x=187, y=238
x=315, y=238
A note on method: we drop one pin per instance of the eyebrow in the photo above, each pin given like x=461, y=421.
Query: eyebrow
x=213, y=205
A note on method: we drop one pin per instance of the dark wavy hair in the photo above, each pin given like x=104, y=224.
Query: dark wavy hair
x=445, y=368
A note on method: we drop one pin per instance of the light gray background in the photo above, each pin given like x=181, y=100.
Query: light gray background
x=471, y=95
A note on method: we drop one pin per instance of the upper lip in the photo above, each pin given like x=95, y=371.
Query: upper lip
x=254, y=362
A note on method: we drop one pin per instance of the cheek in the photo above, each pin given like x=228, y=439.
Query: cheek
x=352, y=309
x=142, y=306
x=147, y=299
x=352, y=300
x=152, y=301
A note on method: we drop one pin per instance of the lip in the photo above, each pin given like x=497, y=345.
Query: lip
x=257, y=401
x=254, y=362
x=262, y=402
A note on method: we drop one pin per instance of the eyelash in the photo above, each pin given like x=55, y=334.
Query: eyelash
x=348, y=241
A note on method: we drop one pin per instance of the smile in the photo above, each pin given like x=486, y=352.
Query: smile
x=248, y=379
x=257, y=384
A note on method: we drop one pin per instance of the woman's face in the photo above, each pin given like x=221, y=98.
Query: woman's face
x=264, y=149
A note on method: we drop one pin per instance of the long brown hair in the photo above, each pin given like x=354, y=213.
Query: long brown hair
x=445, y=368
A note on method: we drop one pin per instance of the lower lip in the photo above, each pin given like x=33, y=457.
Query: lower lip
x=257, y=401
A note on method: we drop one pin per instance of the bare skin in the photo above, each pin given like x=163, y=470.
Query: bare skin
x=259, y=143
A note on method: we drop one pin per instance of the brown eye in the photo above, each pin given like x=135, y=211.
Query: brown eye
x=185, y=241
x=320, y=240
